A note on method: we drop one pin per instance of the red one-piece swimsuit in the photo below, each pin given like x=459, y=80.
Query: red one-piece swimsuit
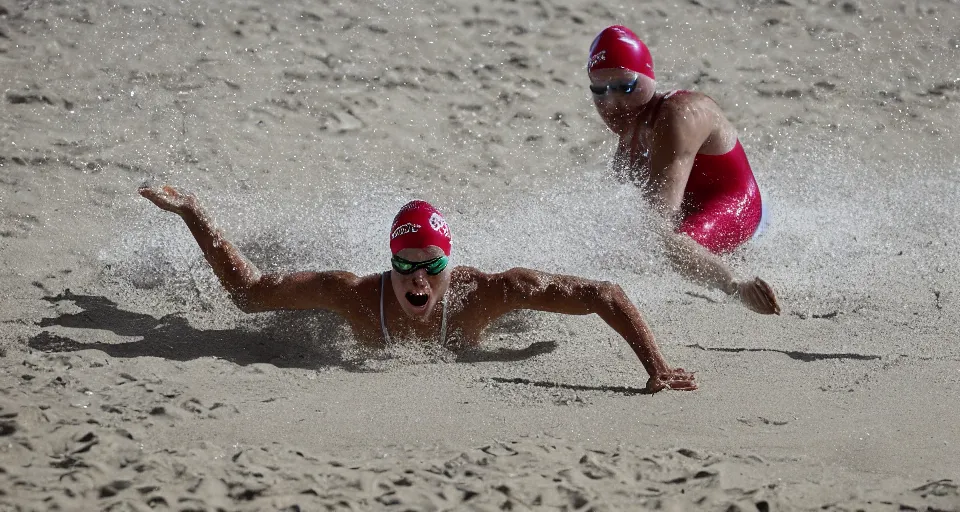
x=721, y=205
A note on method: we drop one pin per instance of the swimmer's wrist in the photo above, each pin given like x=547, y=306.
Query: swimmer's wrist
x=191, y=215
x=731, y=288
x=194, y=212
x=196, y=217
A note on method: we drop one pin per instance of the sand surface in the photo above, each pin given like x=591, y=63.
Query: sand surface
x=130, y=382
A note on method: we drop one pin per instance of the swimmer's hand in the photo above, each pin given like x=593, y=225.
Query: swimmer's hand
x=675, y=378
x=170, y=199
x=758, y=296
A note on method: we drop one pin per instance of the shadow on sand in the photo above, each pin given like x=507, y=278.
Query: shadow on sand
x=288, y=339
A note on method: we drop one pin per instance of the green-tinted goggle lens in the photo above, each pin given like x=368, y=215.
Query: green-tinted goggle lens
x=433, y=267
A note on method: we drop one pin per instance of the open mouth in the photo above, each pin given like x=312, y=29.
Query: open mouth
x=417, y=299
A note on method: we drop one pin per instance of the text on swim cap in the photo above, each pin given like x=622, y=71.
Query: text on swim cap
x=403, y=229
x=599, y=56
x=439, y=225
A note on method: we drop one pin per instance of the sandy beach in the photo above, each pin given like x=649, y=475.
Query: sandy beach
x=129, y=380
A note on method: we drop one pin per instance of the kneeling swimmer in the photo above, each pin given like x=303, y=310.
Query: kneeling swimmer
x=423, y=296
x=685, y=154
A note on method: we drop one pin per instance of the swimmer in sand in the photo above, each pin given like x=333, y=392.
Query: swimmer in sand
x=423, y=296
x=685, y=154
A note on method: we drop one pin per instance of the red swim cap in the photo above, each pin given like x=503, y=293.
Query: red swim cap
x=418, y=225
x=618, y=47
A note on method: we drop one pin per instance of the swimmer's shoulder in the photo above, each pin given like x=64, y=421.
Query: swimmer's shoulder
x=346, y=279
x=470, y=285
x=364, y=282
x=489, y=295
x=499, y=284
x=683, y=101
x=688, y=112
x=466, y=276
x=480, y=283
x=365, y=288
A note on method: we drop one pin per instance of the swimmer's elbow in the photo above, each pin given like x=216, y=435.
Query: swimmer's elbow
x=249, y=299
x=244, y=302
x=610, y=293
x=249, y=308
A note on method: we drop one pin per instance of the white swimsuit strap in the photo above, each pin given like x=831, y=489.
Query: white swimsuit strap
x=443, y=322
x=383, y=321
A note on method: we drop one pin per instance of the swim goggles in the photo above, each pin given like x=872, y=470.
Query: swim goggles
x=433, y=267
x=626, y=88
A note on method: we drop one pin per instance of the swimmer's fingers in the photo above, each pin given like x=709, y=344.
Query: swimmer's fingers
x=769, y=297
x=682, y=385
x=758, y=296
x=168, y=198
x=165, y=198
x=682, y=380
x=676, y=379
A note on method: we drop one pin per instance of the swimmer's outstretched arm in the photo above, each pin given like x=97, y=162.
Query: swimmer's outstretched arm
x=522, y=288
x=697, y=264
x=250, y=290
x=679, y=136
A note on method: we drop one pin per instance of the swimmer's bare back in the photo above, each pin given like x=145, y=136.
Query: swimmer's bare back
x=481, y=297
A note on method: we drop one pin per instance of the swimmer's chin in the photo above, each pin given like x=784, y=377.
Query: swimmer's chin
x=623, y=114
